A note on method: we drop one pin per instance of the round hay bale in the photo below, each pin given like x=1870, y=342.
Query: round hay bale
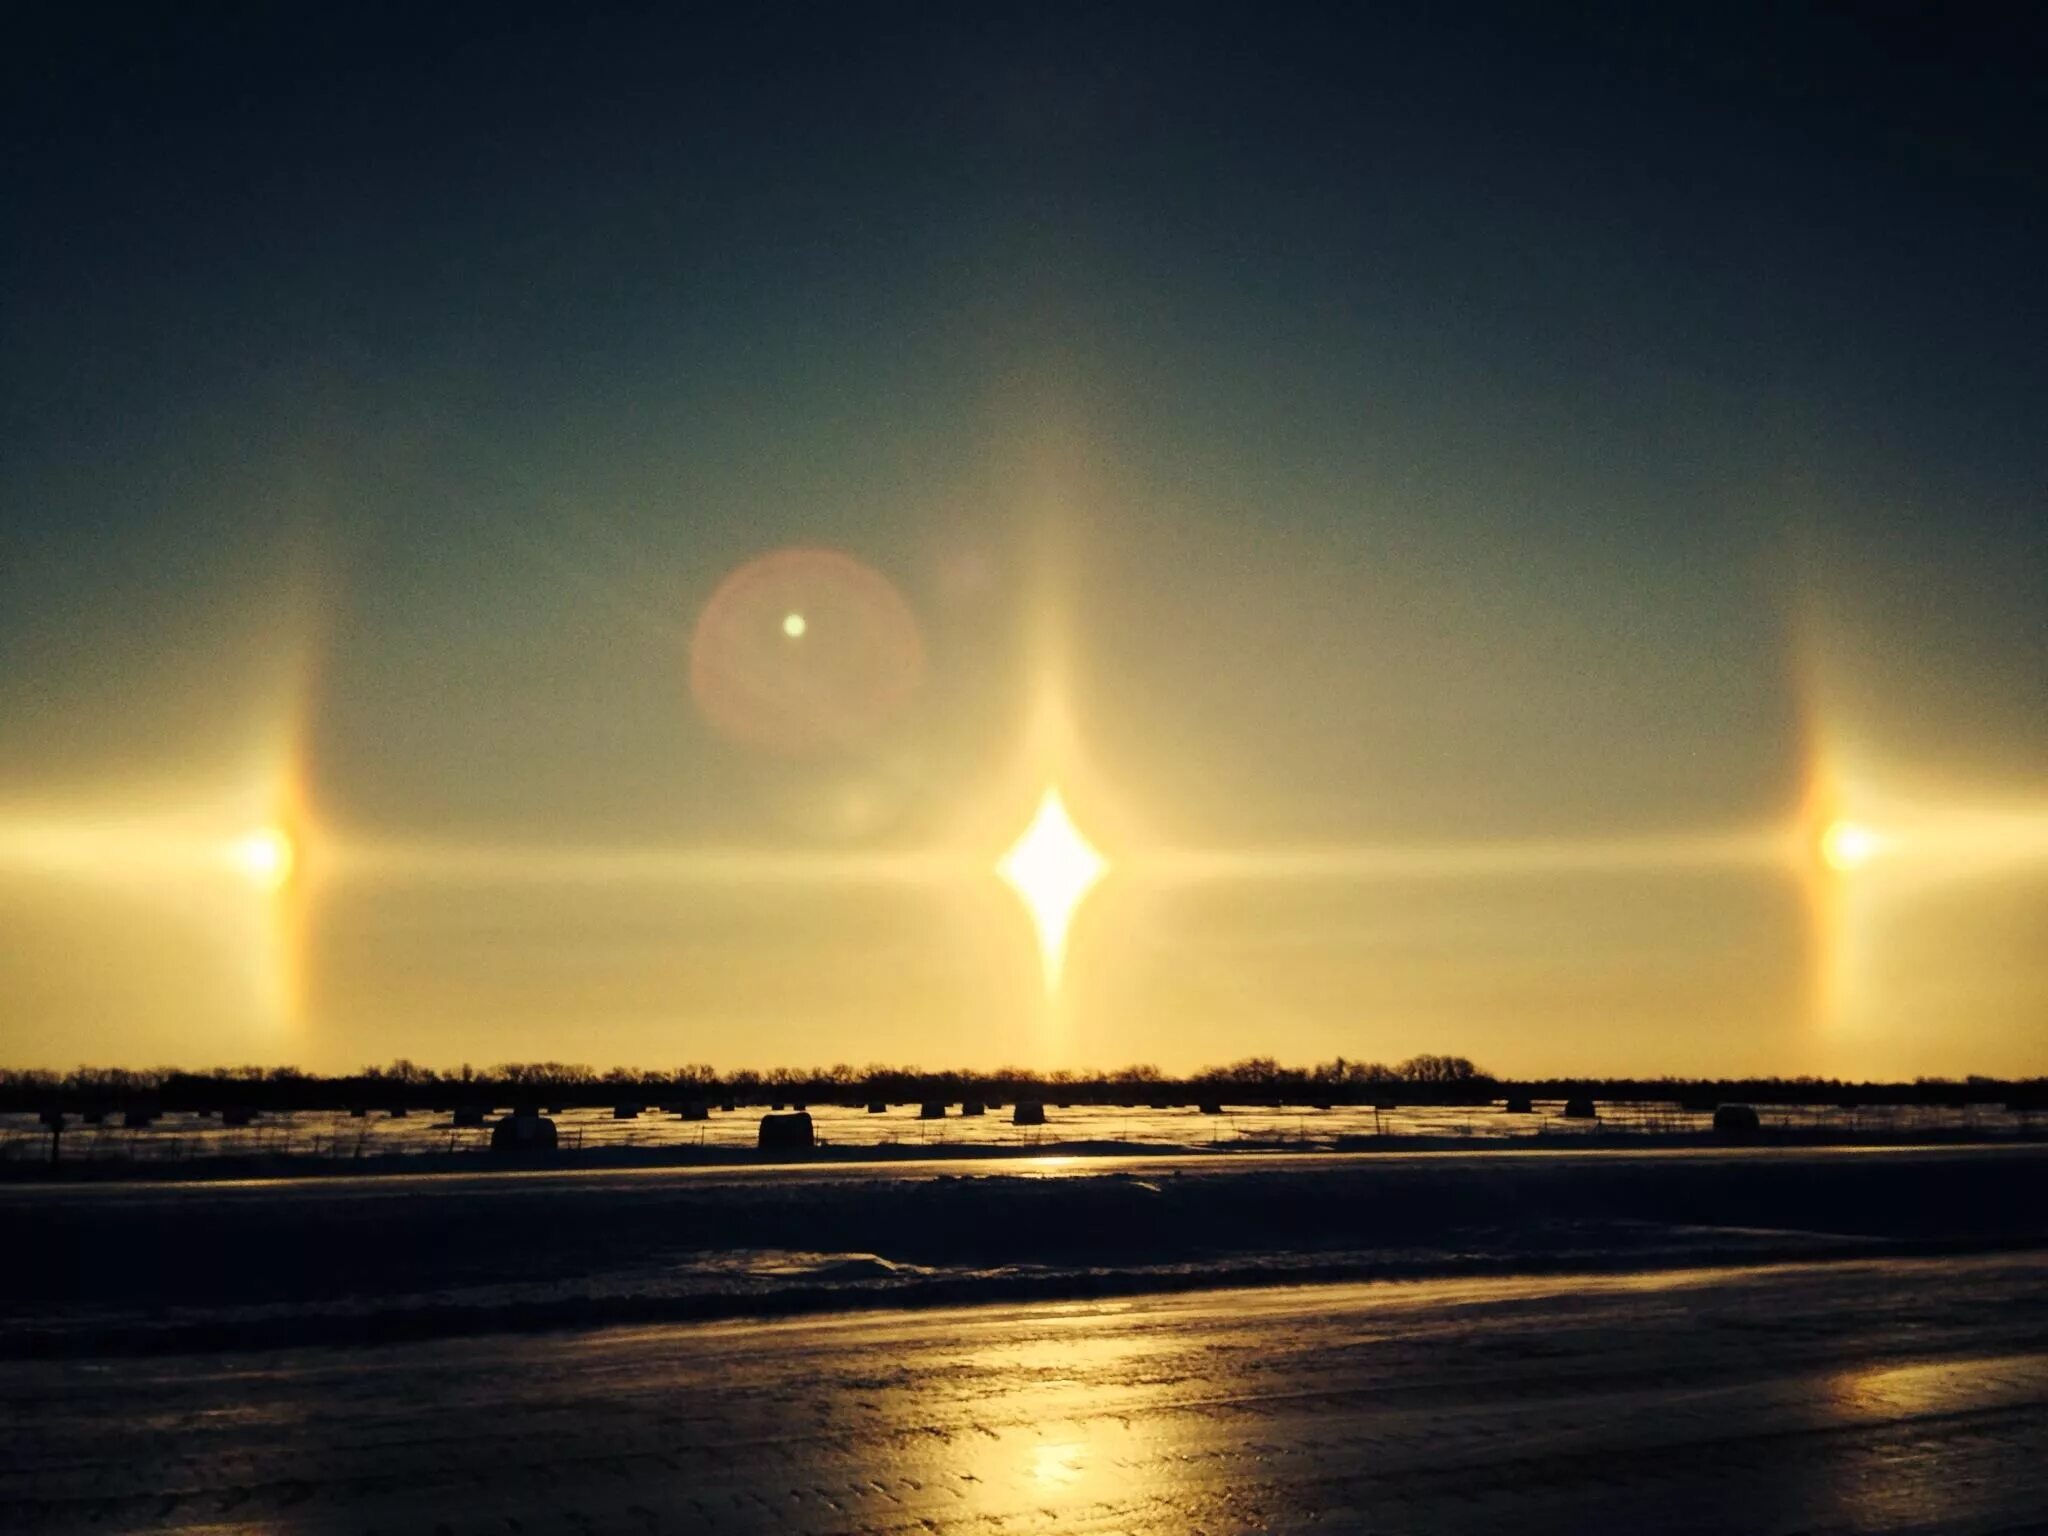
x=691, y=1110
x=973, y=1107
x=1028, y=1112
x=933, y=1110
x=1517, y=1104
x=878, y=1108
x=1210, y=1107
x=786, y=1133
x=523, y=1133
x=1580, y=1109
x=1735, y=1120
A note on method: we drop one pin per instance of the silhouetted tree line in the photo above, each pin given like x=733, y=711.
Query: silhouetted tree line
x=1420, y=1080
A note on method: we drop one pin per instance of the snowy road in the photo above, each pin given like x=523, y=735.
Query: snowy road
x=1884, y=1395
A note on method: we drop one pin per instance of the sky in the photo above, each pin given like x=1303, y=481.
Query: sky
x=589, y=536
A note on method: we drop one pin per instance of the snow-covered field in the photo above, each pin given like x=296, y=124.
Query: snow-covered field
x=121, y=1267
x=377, y=1134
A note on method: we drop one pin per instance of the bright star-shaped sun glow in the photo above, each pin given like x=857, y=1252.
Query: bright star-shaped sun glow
x=1052, y=867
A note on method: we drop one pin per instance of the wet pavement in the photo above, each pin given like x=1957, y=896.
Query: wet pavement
x=1898, y=1395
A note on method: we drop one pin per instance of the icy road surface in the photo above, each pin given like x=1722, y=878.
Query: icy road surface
x=1852, y=1396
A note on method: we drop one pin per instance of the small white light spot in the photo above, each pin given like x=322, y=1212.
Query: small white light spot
x=1846, y=845
x=264, y=857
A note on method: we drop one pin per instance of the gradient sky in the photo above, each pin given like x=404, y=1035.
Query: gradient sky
x=1456, y=505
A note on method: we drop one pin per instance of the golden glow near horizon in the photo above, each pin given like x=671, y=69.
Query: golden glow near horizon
x=239, y=860
x=232, y=880
x=1052, y=867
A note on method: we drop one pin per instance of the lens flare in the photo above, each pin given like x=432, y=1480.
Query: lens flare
x=1052, y=867
x=758, y=681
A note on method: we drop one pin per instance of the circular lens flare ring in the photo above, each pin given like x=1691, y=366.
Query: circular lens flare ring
x=760, y=676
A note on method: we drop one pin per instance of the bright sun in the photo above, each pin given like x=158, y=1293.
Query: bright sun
x=264, y=857
x=1846, y=845
x=1052, y=867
